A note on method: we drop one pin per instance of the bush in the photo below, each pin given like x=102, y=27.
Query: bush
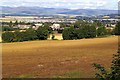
x=113, y=73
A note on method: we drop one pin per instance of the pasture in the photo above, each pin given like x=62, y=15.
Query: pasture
x=52, y=58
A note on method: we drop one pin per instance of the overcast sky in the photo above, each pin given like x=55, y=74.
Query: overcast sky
x=71, y=4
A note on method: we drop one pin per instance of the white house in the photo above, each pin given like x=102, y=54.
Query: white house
x=55, y=26
x=37, y=26
x=24, y=26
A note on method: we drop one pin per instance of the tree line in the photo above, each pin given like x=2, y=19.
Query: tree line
x=30, y=34
x=88, y=30
x=78, y=30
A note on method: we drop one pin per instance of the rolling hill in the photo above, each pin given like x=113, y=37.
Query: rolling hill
x=52, y=11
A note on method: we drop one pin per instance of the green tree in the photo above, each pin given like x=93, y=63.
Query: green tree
x=89, y=31
x=7, y=28
x=19, y=36
x=77, y=24
x=117, y=29
x=42, y=33
x=85, y=31
x=65, y=34
x=63, y=25
x=70, y=33
x=8, y=37
x=101, y=31
x=80, y=33
x=16, y=23
x=10, y=24
x=99, y=24
x=30, y=34
x=47, y=26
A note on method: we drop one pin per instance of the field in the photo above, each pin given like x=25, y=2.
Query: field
x=0, y=39
x=57, y=36
x=57, y=58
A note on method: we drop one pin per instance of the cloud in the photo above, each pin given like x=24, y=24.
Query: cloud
x=73, y=4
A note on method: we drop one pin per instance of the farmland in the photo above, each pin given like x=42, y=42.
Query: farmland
x=51, y=58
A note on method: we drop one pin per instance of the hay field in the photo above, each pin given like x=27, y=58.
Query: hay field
x=57, y=58
x=57, y=36
x=0, y=38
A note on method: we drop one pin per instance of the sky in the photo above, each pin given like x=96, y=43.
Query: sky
x=70, y=4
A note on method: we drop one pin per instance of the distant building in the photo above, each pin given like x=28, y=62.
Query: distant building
x=55, y=26
x=106, y=17
x=23, y=26
x=36, y=26
x=108, y=22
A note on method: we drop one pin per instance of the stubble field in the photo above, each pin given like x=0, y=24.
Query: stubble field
x=57, y=58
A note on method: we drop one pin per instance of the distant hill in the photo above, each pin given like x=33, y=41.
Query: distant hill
x=51, y=11
x=91, y=12
x=31, y=10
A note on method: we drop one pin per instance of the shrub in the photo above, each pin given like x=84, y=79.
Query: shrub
x=114, y=73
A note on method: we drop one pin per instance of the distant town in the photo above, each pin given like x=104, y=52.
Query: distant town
x=56, y=24
x=107, y=20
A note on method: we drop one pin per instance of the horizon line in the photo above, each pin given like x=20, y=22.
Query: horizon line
x=58, y=8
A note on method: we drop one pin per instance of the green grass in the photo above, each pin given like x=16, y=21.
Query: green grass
x=74, y=74
x=25, y=76
x=21, y=77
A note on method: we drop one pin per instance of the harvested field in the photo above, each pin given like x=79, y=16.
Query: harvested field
x=57, y=58
x=57, y=36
